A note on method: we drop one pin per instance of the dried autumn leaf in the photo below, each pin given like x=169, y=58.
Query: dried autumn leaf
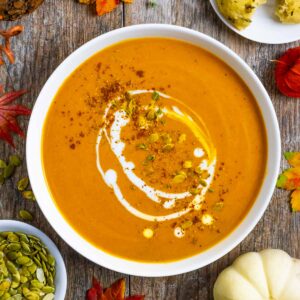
x=295, y=201
x=290, y=179
x=293, y=158
x=9, y=113
x=106, y=6
x=115, y=292
x=287, y=73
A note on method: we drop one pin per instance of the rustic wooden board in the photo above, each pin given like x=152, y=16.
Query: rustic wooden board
x=56, y=29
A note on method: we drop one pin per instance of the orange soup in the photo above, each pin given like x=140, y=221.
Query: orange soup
x=154, y=150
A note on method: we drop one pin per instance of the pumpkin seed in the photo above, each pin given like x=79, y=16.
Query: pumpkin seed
x=154, y=137
x=2, y=164
x=25, y=215
x=28, y=195
x=168, y=147
x=179, y=178
x=20, y=276
x=188, y=164
x=11, y=237
x=155, y=96
x=49, y=297
x=23, y=184
x=186, y=224
x=8, y=171
x=141, y=146
x=182, y=138
x=15, y=160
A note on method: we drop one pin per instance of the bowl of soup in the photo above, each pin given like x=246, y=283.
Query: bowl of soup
x=153, y=150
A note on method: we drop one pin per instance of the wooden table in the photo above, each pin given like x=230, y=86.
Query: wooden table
x=59, y=27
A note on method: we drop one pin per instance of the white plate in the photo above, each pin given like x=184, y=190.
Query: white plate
x=61, y=274
x=38, y=180
x=265, y=27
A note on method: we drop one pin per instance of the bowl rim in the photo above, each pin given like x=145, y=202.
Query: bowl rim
x=62, y=227
x=61, y=273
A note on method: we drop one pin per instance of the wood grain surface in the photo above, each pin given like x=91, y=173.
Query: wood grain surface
x=56, y=29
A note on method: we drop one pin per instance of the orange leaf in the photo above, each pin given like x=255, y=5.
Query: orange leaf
x=295, y=201
x=289, y=179
x=106, y=6
x=293, y=158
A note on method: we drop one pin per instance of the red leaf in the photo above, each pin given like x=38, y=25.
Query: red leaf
x=97, y=286
x=287, y=73
x=8, y=115
x=92, y=294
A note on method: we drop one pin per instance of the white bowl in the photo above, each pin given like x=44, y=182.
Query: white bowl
x=265, y=26
x=34, y=157
x=61, y=274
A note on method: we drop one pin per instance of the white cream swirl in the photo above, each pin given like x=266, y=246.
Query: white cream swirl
x=168, y=200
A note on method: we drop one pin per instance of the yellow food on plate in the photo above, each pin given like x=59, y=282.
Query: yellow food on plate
x=239, y=12
x=288, y=11
x=269, y=274
x=154, y=150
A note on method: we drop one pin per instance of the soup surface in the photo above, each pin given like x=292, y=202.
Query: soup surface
x=154, y=150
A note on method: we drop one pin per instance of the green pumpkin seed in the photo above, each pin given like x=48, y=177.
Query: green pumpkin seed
x=36, y=284
x=8, y=171
x=186, y=224
x=155, y=96
x=30, y=295
x=25, y=246
x=153, y=138
x=43, y=257
x=182, y=138
x=179, y=178
x=11, y=237
x=25, y=215
x=2, y=164
x=13, y=247
x=195, y=191
x=142, y=146
x=48, y=289
x=32, y=269
x=11, y=267
x=28, y=195
x=168, y=147
x=23, y=260
x=188, y=164
x=16, y=297
x=23, y=184
x=15, y=160
x=51, y=260
x=5, y=296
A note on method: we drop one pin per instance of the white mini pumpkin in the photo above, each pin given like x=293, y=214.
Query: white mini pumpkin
x=268, y=275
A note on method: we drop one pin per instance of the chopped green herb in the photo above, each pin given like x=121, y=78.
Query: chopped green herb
x=155, y=96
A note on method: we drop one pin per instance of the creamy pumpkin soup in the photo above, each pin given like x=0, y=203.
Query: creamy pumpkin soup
x=154, y=150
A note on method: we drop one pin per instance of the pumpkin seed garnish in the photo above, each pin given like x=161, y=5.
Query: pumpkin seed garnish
x=8, y=171
x=179, y=178
x=15, y=160
x=154, y=137
x=23, y=184
x=155, y=96
x=20, y=275
x=25, y=215
x=2, y=164
x=28, y=195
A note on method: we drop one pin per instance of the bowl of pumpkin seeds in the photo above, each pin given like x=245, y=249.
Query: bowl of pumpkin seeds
x=31, y=267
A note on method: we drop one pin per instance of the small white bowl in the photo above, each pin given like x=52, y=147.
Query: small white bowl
x=38, y=181
x=61, y=274
x=265, y=26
